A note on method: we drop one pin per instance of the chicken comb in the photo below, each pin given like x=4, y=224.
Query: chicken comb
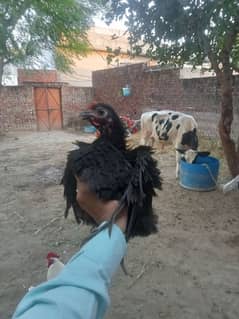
x=52, y=255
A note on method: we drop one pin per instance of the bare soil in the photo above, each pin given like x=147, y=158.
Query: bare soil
x=189, y=270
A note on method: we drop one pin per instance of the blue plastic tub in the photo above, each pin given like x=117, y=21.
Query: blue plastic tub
x=89, y=129
x=200, y=176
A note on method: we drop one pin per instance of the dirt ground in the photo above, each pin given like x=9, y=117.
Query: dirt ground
x=189, y=270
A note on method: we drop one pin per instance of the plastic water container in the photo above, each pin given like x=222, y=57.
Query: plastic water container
x=126, y=91
x=89, y=129
x=201, y=175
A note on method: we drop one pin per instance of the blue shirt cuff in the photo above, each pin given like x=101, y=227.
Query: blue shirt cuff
x=106, y=250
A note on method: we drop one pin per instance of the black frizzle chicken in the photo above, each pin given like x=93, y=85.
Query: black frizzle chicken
x=113, y=172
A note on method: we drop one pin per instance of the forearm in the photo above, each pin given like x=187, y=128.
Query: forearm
x=81, y=289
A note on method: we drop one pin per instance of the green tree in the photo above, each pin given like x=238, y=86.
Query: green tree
x=181, y=31
x=28, y=27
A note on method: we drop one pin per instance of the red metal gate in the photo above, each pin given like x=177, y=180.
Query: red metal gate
x=48, y=108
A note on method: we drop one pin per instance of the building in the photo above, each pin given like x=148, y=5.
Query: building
x=99, y=39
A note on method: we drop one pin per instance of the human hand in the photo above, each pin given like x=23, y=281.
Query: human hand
x=99, y=210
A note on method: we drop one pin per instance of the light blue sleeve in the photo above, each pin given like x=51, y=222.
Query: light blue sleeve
x=80, y=291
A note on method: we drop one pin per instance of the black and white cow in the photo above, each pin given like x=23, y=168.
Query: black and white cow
x=166, y=126
x=147, y=123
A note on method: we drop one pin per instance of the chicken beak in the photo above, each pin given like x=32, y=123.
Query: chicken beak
x=86, y=115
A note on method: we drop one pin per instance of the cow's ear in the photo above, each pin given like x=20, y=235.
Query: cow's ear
x=180, y=151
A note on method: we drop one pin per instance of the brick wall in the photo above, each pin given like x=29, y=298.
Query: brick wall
x=150, y=87
x=74, y=99
x=149, y=90
x=17, y=109
x=153, y=88
x=26, y=76
x=107, y=86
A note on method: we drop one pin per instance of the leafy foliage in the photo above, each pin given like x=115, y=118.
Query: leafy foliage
x=29, y=26
x=179, y=31
x=112, y=54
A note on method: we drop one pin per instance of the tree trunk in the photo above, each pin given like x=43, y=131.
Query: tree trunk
x=229, y=147
x=1, y=70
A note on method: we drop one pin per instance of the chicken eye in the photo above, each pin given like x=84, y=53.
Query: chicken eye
x=101, y=112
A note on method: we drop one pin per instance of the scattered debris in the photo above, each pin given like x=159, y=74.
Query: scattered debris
x=138, y=276
x=45, y=226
